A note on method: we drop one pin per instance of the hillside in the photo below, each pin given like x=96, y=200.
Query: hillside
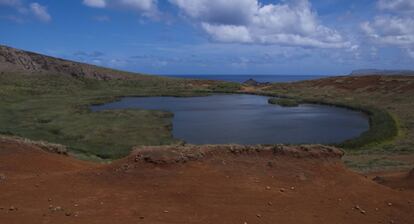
x=48, y=99
x=41, y=104
x=18, y=61
x=389, y=144
x=364, y=72
x=144, y=175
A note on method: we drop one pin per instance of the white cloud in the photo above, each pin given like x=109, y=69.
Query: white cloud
x=23, y=11
x=40, y=12
x=147, y=8
x=396, y=28
x=95, y=3
x=391, y=30
x=396, y=5
x=249, y=21
x=141, y=5
x=227, y=12
x=10, y=2
x=228, y=33
x=393, y=26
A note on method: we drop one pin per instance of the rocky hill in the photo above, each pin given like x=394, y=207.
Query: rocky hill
x=19, y=61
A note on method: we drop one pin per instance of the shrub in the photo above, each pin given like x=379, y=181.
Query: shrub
x=284, y=102
x=227, y=87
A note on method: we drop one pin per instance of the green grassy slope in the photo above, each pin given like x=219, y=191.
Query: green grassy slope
x=56, y=109
x=390, y=103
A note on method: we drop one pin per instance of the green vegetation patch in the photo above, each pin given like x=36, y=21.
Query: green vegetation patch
x=375, y=164
x=55, y=109
x=383, y=128
x=284, y=102
x=226, y=87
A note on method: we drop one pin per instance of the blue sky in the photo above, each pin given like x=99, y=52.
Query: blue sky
x=300, y=37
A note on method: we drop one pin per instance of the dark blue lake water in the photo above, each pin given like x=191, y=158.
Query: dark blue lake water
x=249, y=119
x=259, y=78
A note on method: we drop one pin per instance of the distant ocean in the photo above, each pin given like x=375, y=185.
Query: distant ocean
x=259, y=78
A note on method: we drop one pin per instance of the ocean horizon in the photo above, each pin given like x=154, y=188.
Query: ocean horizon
x=259, y=78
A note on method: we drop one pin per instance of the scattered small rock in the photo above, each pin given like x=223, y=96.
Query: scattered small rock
x=292, y=188
x=259, y=216
x=141, y=217
x=389, y=204
x=2, y=177
x=68, y=213
x=269, y=203
x=268, y=188
x=12, y=208
x=302, y=177
x=166, y=211
x=362, y=211
x=282, y=189
x=55, y=209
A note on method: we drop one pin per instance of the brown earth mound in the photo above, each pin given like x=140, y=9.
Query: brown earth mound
x=194, y=184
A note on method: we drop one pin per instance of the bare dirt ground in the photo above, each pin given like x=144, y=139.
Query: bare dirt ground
x=234, y=185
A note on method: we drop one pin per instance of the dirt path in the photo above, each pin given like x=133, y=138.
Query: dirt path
x=222, y=187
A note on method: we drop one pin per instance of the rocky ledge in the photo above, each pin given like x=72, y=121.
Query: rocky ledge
x=186, y=153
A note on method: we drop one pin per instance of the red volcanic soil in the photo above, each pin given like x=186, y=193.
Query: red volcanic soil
x=396, y=180
x=208, y=184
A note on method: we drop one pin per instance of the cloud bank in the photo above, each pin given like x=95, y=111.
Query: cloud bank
x=249, y=21
x=396, y=5
x=393, y=26
x=148, y=8
x=40, y=12
x=24, y=10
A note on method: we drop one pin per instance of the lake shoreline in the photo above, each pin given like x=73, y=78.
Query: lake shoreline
x=265, y=123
